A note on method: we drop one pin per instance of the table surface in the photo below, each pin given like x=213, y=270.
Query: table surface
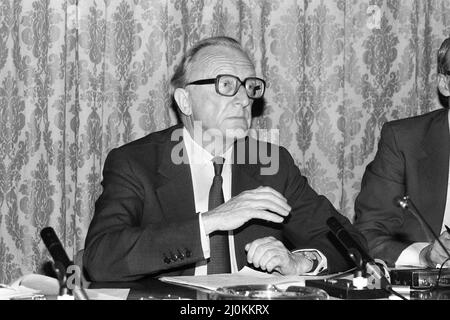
x=154, y=289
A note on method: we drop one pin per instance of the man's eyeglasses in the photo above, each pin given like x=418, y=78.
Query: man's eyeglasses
x=228, y=85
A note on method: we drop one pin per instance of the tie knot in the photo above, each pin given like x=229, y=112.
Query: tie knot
x=218, y=165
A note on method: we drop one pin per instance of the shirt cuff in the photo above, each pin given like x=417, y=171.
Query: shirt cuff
x=204, y=238
x=322, y=263
x=410, y=256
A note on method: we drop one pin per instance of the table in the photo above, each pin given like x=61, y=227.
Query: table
x=151, y=288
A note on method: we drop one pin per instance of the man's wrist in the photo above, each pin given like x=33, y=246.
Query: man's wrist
x=208, y=222
x=306, y=262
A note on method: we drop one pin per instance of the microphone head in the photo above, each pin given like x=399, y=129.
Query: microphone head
x=352, y=247
x=401, y=201
x=55, y=247
x=49, y=237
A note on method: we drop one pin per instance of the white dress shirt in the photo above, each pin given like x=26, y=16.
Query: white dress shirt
x=202, y=169
x=410, y=256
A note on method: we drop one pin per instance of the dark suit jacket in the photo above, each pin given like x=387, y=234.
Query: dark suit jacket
x=145, y=221
x=412, y=159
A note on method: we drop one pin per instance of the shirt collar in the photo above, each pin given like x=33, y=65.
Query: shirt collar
x=199, y=156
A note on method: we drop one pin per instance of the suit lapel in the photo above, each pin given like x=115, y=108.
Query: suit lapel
x=433, y=172
x=243, y=178
x=174, y=183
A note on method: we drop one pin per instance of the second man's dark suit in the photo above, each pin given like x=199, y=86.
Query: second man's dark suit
x=412, y=159
x=145, y=221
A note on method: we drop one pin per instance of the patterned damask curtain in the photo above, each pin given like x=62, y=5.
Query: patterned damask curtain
x=78, y=78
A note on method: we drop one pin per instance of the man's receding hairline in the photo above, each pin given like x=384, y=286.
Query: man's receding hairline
x=208, y=59
x=202, y=51
x=180, y=77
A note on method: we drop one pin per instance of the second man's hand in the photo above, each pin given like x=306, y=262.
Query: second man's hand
x=263, y=203
x=434, y=254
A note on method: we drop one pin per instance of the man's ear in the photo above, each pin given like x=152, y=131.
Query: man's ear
x=443, y=85
x=182, y=98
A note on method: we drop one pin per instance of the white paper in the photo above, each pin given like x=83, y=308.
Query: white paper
x=107, y=294
x=16, y=292
x=246, y=276
x=30, y=285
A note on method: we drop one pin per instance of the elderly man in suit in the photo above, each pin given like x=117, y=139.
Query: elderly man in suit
x=412, y=159
x=194, y=199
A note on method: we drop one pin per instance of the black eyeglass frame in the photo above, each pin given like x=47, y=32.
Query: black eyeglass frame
x=216, y=81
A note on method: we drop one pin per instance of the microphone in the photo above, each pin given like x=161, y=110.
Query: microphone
x=55, y=247
x=60, y=259
x=407, y=204
x=354, y=250
x=361, y=258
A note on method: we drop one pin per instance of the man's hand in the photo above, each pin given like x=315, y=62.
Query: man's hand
x=434, y=254
x=270, y=254
x=262, y=203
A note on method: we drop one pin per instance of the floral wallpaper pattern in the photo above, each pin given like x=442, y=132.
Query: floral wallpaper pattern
x=80, y=77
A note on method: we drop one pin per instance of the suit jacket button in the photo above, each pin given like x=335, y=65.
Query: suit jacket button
x=188, y=252
x=173, y=257
x=180, y=255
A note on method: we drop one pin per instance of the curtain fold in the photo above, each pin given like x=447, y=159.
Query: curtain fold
x=79, y=78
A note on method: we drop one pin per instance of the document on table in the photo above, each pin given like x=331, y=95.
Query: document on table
x=32, y=286
x=107, y=294
x=16, y=292
x=246, y=276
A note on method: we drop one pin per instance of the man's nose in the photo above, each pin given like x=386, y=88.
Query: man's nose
x=242, y=98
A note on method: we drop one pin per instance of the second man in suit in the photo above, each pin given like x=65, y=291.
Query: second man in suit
x=413, y=160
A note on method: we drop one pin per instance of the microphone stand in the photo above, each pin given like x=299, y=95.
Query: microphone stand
x=61, y=276
x=407, y=204
x=62, y=264
x=365, y=264
x=374, y=270
x=360, y=274
x=57, y=270
x=77, y=291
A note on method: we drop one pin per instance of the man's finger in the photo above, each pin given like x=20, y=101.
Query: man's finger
x=271, y=191
x=272, y=197
x=269, y=216
x=269, y=255
x=265, y=204
x=274, y=263
x=264, y=215
x=253, y=246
